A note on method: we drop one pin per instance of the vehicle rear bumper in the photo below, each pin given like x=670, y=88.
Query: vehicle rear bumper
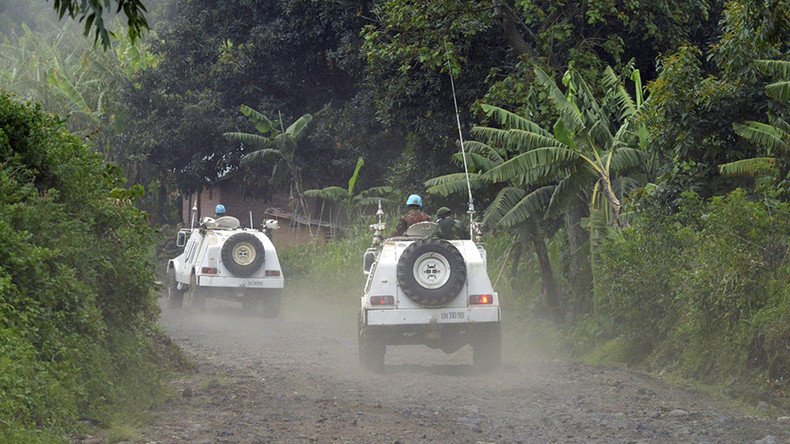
x=235, y=282
x=432, y=316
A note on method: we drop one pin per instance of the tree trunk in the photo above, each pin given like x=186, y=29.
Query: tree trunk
x=510, y=21
x=515, y=260
x=579, y=270
x=547, y=282
x=611, y=197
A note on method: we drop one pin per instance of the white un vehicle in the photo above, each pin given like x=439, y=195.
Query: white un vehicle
x=221, y=260
x=425, y=290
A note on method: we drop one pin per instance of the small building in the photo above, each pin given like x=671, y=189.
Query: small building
x=294, y=229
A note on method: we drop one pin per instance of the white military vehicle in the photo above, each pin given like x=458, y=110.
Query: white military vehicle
x=430, y=291
x=221, y=260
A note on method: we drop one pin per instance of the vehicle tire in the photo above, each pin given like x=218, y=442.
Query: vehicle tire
x=487, y=347
x=175, y=297
x=372, y=349
x=242, y=254
x=431, y=272
x=197, y=300
x=271, y=303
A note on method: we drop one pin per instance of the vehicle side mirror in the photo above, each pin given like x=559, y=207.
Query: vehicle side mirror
x=181, y=239
x=367, y=261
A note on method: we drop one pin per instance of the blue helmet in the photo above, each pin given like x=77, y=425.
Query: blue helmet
x=414, y=200
x=220, y=209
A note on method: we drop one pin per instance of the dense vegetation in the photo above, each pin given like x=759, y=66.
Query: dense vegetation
x=630, y=159
x=77, y=307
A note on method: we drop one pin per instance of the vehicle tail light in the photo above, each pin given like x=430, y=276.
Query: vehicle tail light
x=382, y=300
x=273, y=273
x=208, y=270
x=478, y=299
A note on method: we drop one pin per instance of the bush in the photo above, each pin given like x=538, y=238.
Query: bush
x=77, y=265
x=704, y=291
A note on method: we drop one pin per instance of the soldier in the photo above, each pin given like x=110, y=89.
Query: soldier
x=414, y=215
x=219, y=211
x=449, y=227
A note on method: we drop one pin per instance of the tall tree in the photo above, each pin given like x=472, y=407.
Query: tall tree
x=278, y=148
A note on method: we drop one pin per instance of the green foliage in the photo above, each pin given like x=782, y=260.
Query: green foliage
x=53, y=65
x=76, y=277
x=704, y=290
x=699, y=95
x=92, y=13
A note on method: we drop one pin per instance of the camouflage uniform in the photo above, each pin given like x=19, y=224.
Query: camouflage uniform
x=412, y=217
x=449, y=227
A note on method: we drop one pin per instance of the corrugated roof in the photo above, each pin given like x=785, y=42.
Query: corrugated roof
x=278, y=213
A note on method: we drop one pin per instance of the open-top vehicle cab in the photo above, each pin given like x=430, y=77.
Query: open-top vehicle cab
x=221, y=260
x=422, y=289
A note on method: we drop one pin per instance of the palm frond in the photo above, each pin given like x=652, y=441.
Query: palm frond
x=296, y=129
x=352, y=181
x=510, y=120
x=263, y=124
x=516, y=140
x=331, y=193
x=617, y=92
x=476, y=162
x=504, y=201
x=454, y=183
x=566, y=191
x=533, y=205
x=774, y=139
x=261, y=155
x=567, y=109
x=626, y=158
x=377, y=191
x=748, y=167
x=600, y=132
x=473, y=146
x=532, y=165
x=778, y=68
x=247, y=138
x=778, y=90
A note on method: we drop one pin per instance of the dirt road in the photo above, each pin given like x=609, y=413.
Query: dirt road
x=296, y=379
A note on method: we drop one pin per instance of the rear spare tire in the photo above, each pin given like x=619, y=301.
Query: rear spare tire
x=242, y=254
x=431, y=272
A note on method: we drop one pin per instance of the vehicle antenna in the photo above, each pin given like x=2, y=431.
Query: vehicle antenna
x=471, y=210
x=194, y=215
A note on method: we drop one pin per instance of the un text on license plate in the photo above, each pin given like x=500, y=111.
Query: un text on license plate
x=450, y=315
x=254, y=284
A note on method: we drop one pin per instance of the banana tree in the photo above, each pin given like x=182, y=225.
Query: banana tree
x=346, y=196
x=279, y=147
x=773, y=136
x=585, y=150
x=515, y=208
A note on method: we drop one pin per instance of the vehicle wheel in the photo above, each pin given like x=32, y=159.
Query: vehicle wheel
x=372, y=349
x=431, y=272
x=487, y=347
x=242, y=254
x=175, y=297
x=271, y=303
x=197, y=300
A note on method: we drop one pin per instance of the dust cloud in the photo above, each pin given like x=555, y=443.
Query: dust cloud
x=296, y=379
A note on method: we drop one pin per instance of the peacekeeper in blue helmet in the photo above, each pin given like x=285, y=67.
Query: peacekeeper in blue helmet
x=219, y=211
x=412, y=216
